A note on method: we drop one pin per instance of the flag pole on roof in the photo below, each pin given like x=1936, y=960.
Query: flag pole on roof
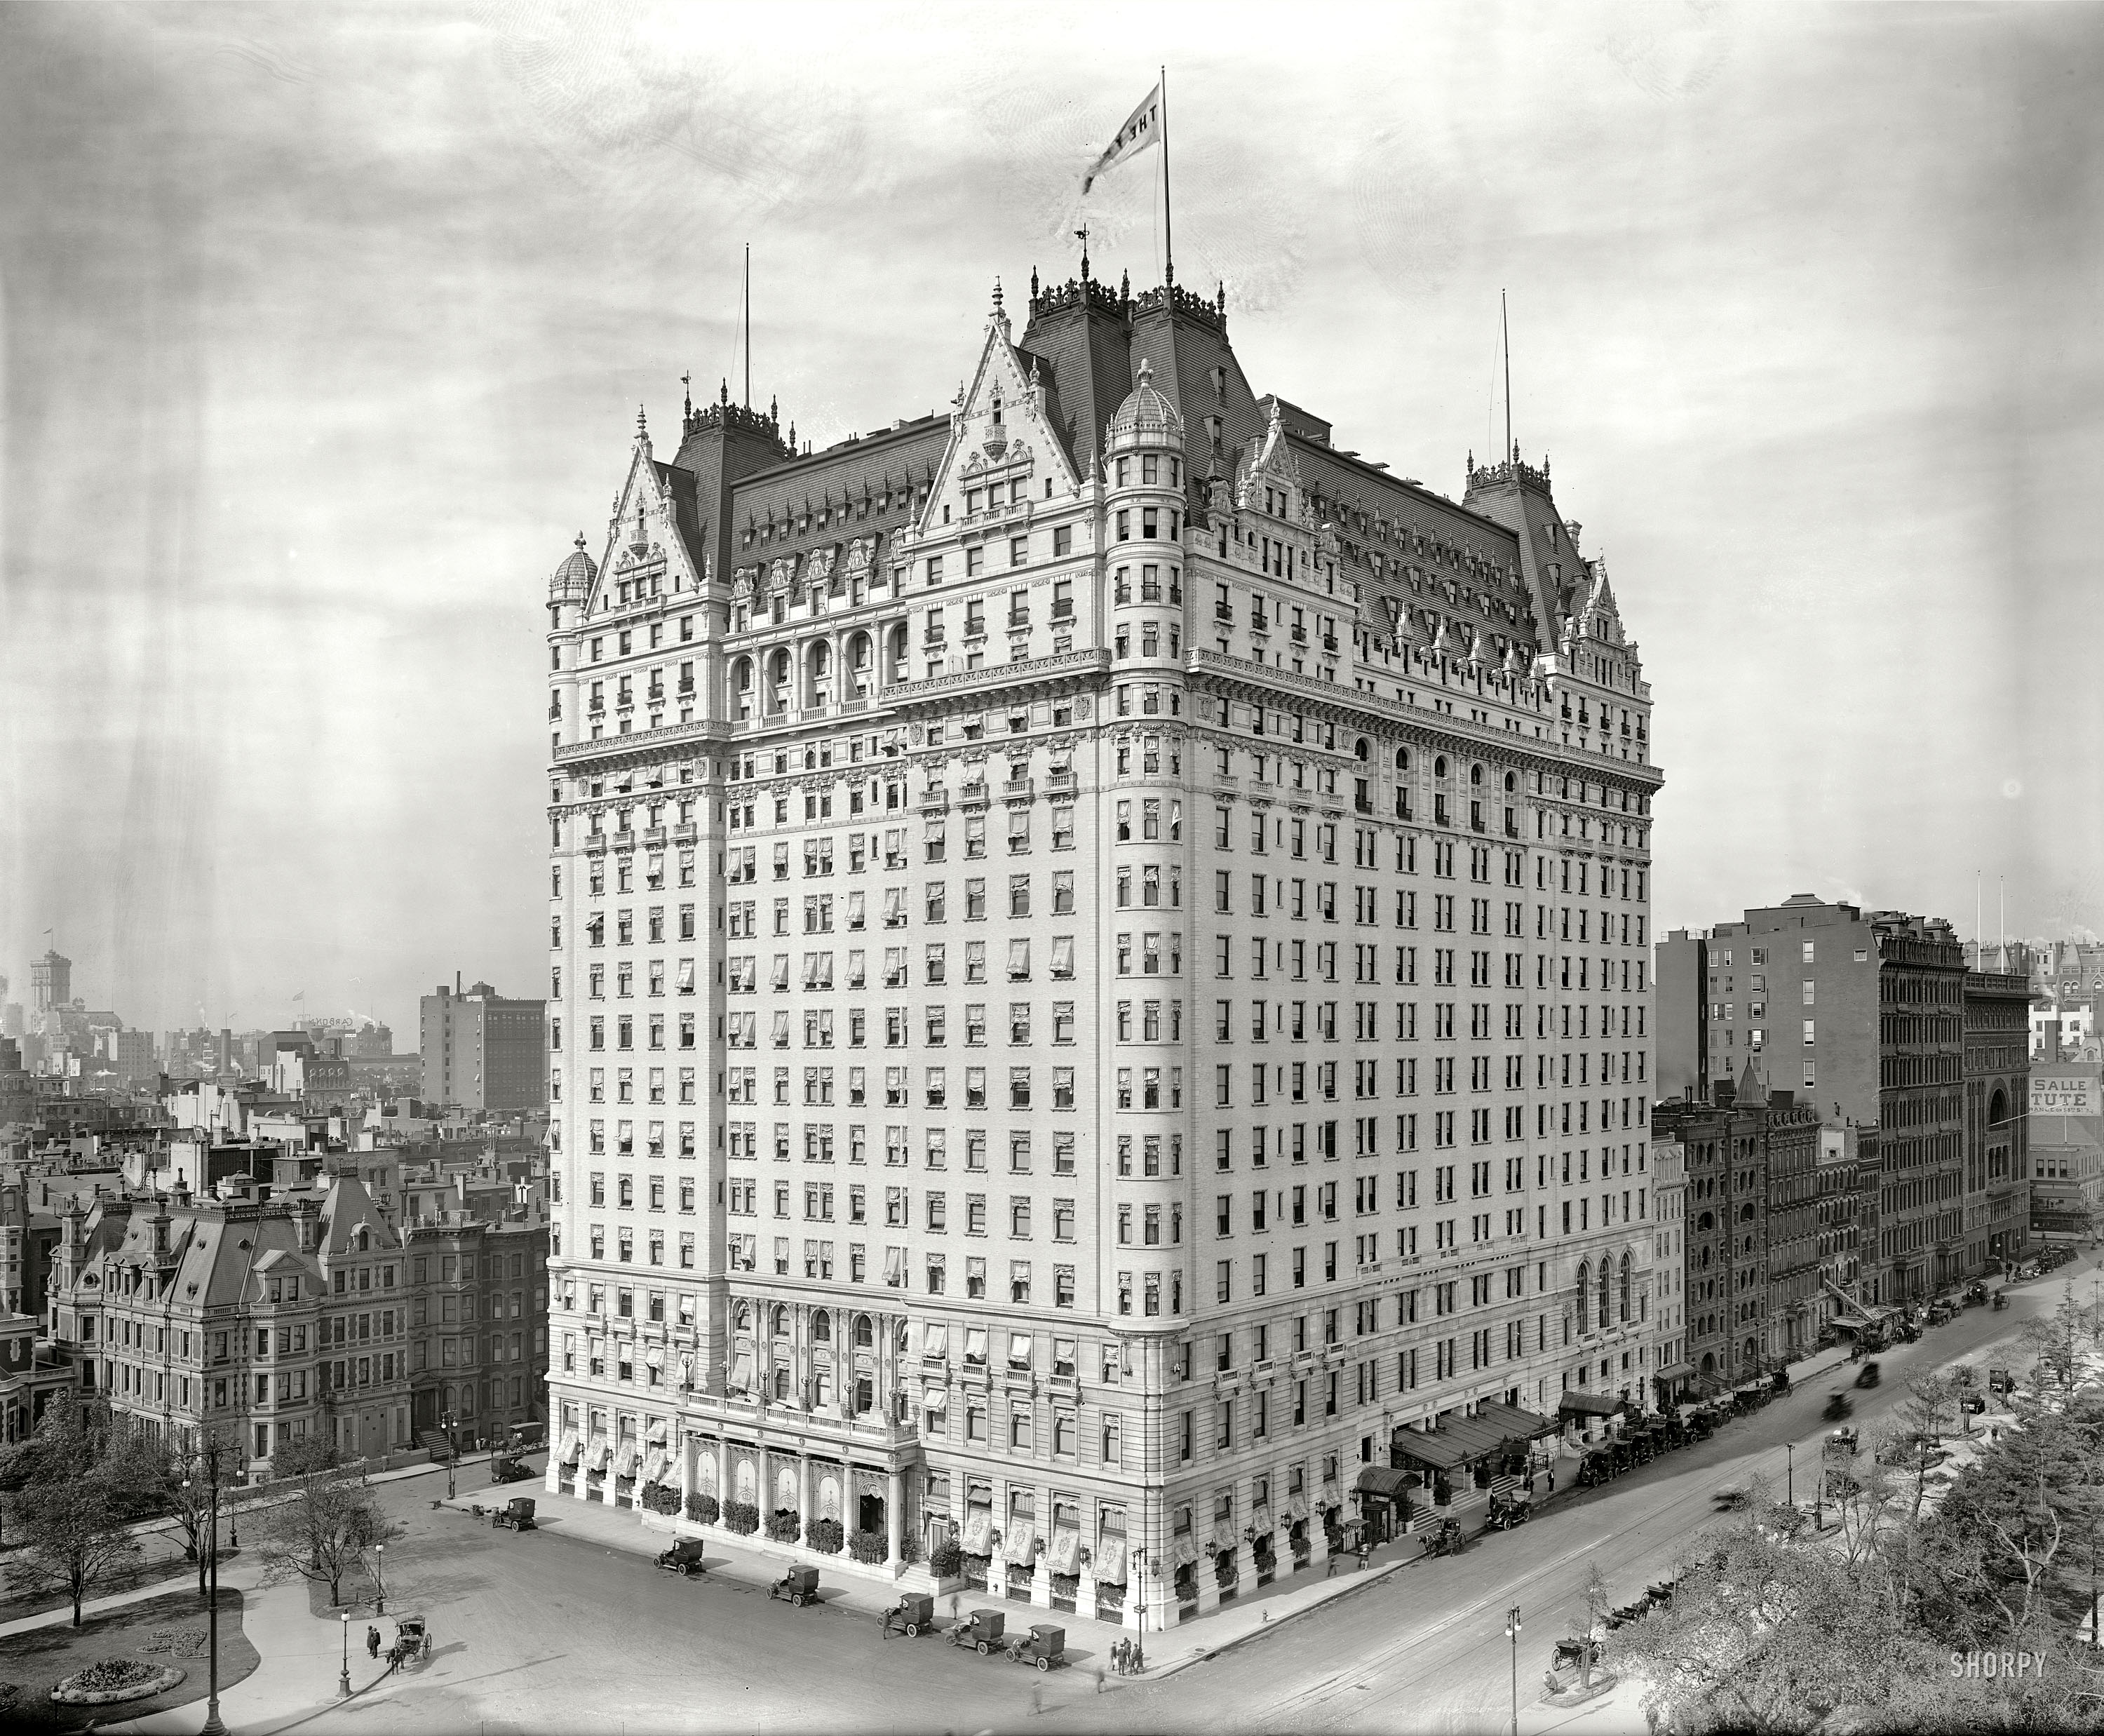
x=1147, y=125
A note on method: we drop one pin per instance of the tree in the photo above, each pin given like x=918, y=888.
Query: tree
x=1597, y=1599
x=323, y=1530
x=188, y=1473
x=2059, y=1342
x=73, y=1535
x=303, y=1455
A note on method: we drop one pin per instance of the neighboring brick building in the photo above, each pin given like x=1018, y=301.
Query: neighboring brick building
x=1997, y=1203
x=483, y=1051
x=1724, y=1153
x=1866, y=1014
x=274, y=1318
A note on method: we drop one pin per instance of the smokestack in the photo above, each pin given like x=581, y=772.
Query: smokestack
x=456, y=982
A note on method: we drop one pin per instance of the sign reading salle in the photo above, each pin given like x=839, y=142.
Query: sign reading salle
x=2064, y=1094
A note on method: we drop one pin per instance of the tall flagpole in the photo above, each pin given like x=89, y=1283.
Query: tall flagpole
x=748, y=325
x=1168, y=226
x=1504, y=332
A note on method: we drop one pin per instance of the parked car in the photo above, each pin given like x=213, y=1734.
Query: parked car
x=515, y=1515
x=797, y=1587
x=684, y=1558
x=1043, y=1646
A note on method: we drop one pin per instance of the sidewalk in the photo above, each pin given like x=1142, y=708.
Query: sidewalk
x=1167, y=1651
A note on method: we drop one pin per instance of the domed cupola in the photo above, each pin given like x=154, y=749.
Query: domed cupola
x=1146, y=419
x=574, y=579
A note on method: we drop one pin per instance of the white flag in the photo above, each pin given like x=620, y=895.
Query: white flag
x=1142, y=129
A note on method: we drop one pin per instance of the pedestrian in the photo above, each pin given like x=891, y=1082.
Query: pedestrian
x=1552, y=1480
x=1332, y=1569
x=1366, y=1554
x=371, y=1642
x=1099, y=1678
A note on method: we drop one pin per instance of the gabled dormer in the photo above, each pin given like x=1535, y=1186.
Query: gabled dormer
x=1005, y=458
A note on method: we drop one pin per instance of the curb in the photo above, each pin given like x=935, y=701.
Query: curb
x=1360, y=1582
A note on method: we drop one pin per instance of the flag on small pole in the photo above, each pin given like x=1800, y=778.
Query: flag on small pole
x=1142, y=128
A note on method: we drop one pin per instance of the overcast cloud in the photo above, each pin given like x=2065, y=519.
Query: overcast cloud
x=322, y=330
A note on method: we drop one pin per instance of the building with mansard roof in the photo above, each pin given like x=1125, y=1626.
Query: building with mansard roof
x=1098, y=976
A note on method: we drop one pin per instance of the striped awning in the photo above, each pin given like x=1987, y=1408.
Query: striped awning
x=597, y=1451
x=653, y=1464
x=624, y=1461
x=1109, y=1564
x=568, y=1448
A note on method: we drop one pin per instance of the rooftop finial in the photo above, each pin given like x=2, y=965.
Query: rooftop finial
x=1082, y=234
x=723, y=390
x=997, y=296
x=1033, y=282
x=686, y=380
x=642, y=427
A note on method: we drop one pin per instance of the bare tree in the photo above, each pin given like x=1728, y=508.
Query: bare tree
x=322, y=1531
x=74, y=1535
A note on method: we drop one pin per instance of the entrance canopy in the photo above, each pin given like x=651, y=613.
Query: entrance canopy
x=1580, y=1403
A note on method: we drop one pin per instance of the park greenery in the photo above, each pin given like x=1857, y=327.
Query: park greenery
x=1861, y=1612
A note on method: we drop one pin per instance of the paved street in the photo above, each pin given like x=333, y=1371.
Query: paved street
x=555, y=1630
x=1426, y=1649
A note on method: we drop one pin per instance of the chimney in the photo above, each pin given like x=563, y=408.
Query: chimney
x=456, y=982
x=306, y=1224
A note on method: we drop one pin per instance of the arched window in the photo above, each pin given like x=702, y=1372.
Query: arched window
x=865, y=1334
x=895, y=655
x=1476, y=775
x=822, y=1327
x=1439, y=766
x=777, y=680
x=862, y=671
x=1363, y=749
x=1605, y=1274
x=820, y=673
x=1584, y=1297
x=1998, y=1107
x=1622, y=1295
x=741, y=681
x=741, y=1317
x=781, y=1320
x=1402, y=759
x=1512, y=783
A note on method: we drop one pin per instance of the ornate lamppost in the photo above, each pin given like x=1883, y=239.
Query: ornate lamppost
x=1512, y=1633
x=212, y=1725
x=343, y=1681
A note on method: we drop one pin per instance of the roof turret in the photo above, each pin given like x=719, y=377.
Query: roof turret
x=1147, y=416
x=574, y=579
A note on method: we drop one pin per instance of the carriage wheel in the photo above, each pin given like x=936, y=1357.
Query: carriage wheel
x=983, y=1648
x=795, y=1600
x=912, y=1630
x=1045, y=1665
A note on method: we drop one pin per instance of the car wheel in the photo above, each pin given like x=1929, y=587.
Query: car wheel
x=983, y=1648
x=1045, y=1665
x=912, y=1632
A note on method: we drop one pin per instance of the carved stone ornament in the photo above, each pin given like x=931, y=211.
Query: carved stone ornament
x=920, y=735
x=1081, y=707
x=819, y=568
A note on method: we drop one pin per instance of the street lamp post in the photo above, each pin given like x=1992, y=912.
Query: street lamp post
x=1139, y=1573
x=1512, y=1633
x=446, y=1422
x=343, y=1681
x=379, y=1582
x=1790, y=1475
x=212, y=1725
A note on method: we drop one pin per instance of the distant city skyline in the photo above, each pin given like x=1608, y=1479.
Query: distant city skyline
x=277, y=730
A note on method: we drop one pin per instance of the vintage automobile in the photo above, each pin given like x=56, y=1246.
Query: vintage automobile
x=1845, y=1440
x=1508, y=1510
x=797, y=1587
x=1730, y=1498
x=515, y=1515
x=915, y=1613
x=504, y=1468
x=1839, y=1408
x=2000, y=1381
x=980, y=1630
x=1044, y=1646
x=1870, y=1375
x=684, y=1558
x=1597, y=1467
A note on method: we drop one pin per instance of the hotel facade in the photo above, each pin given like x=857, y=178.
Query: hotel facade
x=1098, y=951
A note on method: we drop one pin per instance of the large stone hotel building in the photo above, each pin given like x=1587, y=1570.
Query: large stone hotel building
x=1099, y=973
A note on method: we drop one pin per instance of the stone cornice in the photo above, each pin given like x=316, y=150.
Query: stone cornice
x=1356, y=708
x=645, y=744
x=1037, y=673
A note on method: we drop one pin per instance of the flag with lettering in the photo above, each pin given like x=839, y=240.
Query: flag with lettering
x=1141, y=129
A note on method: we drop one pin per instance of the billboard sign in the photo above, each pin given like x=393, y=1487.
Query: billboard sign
x=2064, y=1094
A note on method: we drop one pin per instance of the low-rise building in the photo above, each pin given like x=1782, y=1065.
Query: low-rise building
x=1669, y=1307
x=29, y=1374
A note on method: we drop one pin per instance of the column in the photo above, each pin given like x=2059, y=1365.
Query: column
x=894, y=1520
x=997, y=1563
x=1319, y=1539
x=686, y=1470
x=723, y=1471
x=803, y=1492
x=1040, y=1584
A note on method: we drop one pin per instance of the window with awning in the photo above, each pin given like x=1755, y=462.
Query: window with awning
x=740, y=1372
x=935, y=1398
x=625, y=1460
x=978, y=1529
x=653, y=1464
x=975, y=1346
x=780, y=974
x=937, y=1346
x=566, y=1451
x=597, y=1452
x=686, y=977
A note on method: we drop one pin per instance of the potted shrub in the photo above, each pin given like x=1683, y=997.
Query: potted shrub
x=783, y=1525
x=740, y=1516
x=945, y=1560
x=867, y=1547
x=825, y=1536
x=703, y=1509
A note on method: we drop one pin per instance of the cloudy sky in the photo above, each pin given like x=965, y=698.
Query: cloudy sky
x=322, y=330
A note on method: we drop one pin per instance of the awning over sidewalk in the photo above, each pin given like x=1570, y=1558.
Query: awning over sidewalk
x=1381, y=1480
x=1477, y=1438
x=1440, y=1450
x=1675, y=1372
x=1580, y=1403
x=1517, y=1422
